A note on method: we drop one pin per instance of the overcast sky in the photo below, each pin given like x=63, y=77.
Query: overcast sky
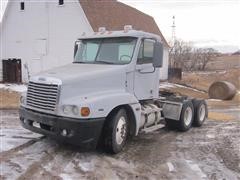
x=205, y=22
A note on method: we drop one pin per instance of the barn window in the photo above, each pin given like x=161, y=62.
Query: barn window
x=60, y=2
x=22, y=6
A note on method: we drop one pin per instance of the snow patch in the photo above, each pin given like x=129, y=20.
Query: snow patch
x=210, y=136
x=170, y=167
x=12, y=138
x=208, y=72
x=66, y=176
x=86, y=166
x=167, y=85
x=217, y=100
x=21, y=88
x=196, y=169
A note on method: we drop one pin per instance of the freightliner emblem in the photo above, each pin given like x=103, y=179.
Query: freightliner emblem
x=42, y=79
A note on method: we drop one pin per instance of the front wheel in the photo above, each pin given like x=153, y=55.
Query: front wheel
x=116, y=131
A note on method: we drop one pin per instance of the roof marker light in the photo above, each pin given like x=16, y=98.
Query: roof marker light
x=102, y=29
x=128, y=28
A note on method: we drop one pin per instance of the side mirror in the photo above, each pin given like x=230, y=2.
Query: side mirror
x=158, y=55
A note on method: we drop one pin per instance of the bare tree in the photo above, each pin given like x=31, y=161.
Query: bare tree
x=179, y=53
x=205, y=56
x=184, y=55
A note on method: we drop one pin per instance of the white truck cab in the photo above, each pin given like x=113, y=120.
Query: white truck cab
x=108, y=93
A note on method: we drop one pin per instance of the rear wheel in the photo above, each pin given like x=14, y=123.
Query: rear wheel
x=186, y=118
x=201, y=112
x=116, y=131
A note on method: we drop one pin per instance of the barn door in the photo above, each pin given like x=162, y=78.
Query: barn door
x=39, y=51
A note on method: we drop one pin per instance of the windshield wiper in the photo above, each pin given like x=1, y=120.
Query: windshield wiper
x=104, y=62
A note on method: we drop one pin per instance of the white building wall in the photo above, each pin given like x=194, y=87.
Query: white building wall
x=43, y=34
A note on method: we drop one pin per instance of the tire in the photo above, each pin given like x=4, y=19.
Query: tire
x=200, y=112
x=116, y=131
x=186, y=117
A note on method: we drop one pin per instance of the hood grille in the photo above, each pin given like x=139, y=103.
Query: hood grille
x=42, y=96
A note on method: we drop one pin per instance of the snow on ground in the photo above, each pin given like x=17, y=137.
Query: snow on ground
x=12, y=134
x=11, y=138
x=217, y=100
x=167, y=85
x=14, y=87
x=207, y=72
x=210, y=152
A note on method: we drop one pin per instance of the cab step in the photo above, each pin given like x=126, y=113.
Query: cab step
x=152, y=128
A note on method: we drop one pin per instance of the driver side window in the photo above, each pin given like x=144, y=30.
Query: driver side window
x=145, y=54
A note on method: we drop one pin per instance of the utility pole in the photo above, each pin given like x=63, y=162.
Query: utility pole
x=173, y=32
x=173, y=43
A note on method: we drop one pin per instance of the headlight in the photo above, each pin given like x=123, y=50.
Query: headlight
x=70, y=110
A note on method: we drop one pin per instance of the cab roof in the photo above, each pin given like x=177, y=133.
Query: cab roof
x=112, y=34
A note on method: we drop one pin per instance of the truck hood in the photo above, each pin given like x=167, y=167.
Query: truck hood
x=72, y=71
x=85, y=79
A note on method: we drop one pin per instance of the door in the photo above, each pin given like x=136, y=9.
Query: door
x=146, y=76
x=39, y=51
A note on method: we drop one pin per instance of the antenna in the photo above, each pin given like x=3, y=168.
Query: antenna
x=173, y=31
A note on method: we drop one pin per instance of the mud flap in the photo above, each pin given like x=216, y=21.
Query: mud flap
x=172, y=110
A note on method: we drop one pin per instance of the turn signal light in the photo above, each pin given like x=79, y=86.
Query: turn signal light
x=85, y=111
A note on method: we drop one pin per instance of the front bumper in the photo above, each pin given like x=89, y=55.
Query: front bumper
x=82, y=132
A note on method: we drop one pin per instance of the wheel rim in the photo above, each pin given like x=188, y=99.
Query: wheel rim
x=202, y=112
x=121, y=130
x=188, y=116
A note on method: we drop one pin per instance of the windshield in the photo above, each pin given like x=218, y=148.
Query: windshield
x=106, y=50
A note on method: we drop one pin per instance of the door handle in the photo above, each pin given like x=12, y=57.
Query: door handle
x=139, y=68
x=144, y=69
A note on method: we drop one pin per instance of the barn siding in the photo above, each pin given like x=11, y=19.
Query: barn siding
x=24, y=32
x=42, y=35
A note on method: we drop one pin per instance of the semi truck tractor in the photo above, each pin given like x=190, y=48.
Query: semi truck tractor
x=108, y=94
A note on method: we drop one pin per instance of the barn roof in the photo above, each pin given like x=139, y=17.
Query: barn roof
x=114, y=15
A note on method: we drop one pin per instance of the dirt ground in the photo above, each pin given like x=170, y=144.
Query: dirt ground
x=209, y=152
x=9, y=99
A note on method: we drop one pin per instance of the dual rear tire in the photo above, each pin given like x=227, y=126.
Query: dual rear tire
x=194, y=112
x=201, y=112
